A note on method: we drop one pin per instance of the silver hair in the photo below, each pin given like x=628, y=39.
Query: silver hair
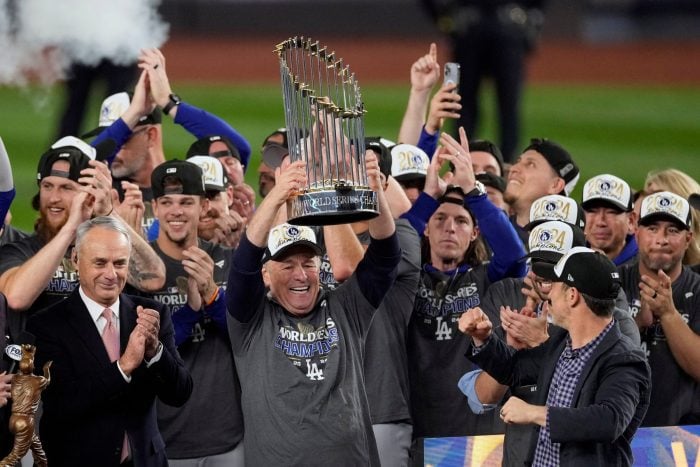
x=104, y=222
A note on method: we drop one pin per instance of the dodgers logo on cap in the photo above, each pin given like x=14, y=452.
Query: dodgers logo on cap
x=607, y=189
x=665, y=205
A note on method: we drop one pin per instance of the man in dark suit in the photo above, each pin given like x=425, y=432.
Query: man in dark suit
x=595, y=381
x=112, y=354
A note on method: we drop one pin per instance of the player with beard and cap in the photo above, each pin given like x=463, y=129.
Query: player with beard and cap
x=594, y=384
x=37, y=272
x=543, y=168
x=209, y=427
x=135, y=125
x=610, y=220
x=664, y=298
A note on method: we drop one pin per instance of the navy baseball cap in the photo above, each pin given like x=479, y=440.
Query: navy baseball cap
x=559, y=159
x=201, y=148
x=189, y=178
x=75, y=151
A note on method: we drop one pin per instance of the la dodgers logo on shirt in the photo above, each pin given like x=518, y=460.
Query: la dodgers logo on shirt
x=308, y=347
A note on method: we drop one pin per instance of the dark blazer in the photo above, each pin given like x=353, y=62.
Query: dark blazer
x=88, y=405
x=609, y=403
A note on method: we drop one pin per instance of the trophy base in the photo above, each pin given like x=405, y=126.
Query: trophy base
x=333, y=206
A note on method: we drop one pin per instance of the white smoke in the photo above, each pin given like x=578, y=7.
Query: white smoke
x=39, y=39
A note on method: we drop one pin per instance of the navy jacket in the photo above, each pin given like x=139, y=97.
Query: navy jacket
x=88, y=405
x=609, y=403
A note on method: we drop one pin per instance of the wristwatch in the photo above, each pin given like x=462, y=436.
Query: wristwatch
x=478, y=190
x=174, y=100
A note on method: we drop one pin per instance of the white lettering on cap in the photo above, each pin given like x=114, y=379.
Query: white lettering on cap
x=171, y=170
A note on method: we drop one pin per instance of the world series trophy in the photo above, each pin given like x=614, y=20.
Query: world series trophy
x=324, y=115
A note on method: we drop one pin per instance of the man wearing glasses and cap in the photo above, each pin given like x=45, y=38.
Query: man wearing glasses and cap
x=594, y=382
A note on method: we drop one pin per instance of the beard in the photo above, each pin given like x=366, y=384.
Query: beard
x=654, y=264
x=47, y=231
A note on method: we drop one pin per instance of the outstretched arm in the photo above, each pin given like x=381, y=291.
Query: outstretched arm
x=425, y=72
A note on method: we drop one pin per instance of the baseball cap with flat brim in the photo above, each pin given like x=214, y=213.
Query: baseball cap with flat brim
x=607, y=190
x=556, y=208
x=550, y=240
x=590, y=272
x=76, y=152
x=665, y=205
x=189, y=178
x=284, y=237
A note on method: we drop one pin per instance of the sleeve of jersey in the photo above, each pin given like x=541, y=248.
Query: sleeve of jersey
x=420, y=212
x=201, y=123
x=117, y=131
x=184, y=320
x=377, y=270
x=501, y=237
x=245, y=287
x=6, y=198
x=428, y=142
x=217, y=311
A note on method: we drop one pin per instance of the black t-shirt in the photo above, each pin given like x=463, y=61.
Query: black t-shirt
x=211, y=422
x=436, y=350
x=674, y=392
x=64, y=279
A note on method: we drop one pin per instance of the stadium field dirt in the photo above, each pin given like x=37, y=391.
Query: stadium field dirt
x=387, y=60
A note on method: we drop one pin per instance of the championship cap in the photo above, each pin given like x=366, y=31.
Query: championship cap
x=285, y=236
x=559, y=159
x=607, y=190
x=382, y=147
x=590, y=272
x=186, y=178
x=202, y=145
x=214, y=174
x=665, y=205
x=408, y=162
x=556, y=208
x=552, y=239
x=69, y=148
x=114, y=107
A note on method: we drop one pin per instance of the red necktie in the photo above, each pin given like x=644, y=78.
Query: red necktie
x=110, y=337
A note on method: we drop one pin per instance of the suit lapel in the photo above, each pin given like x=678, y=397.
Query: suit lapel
x=80, y=320
x=127, y=319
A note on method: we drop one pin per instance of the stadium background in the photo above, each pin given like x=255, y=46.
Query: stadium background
x=616, y=82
